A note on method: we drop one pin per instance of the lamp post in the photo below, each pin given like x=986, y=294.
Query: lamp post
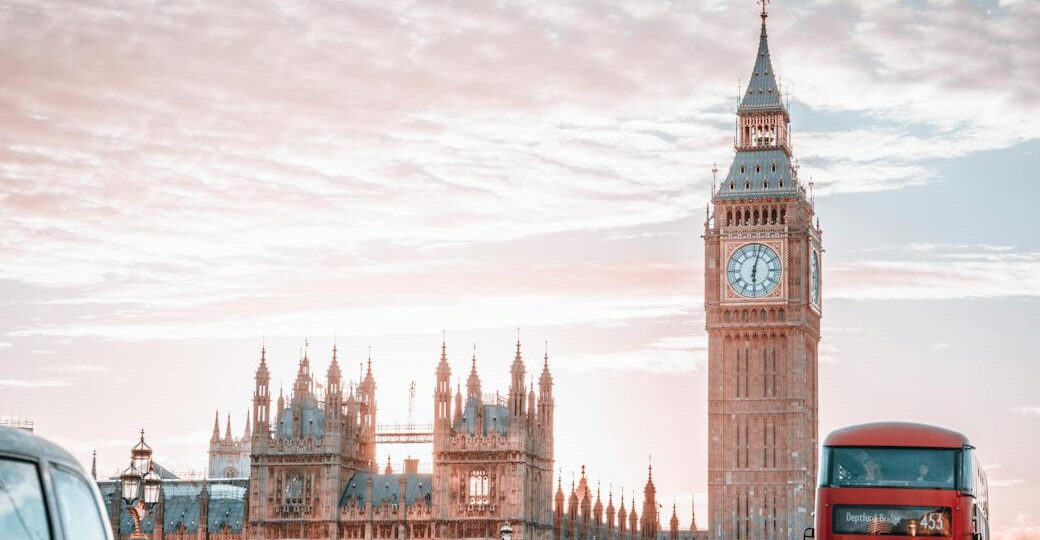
x=140, y=485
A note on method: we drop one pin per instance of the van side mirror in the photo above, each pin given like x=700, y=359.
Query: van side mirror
x=810, y=532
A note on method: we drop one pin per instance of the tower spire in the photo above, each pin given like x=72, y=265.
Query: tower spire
x=93, y=465
x=216, y=426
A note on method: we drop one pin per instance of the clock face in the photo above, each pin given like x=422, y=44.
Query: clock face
x=754, y=270
x=814, y=277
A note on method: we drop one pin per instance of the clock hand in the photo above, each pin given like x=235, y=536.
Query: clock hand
x=754, y=269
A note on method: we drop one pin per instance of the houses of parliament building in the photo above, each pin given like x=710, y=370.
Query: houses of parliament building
x=306, y=468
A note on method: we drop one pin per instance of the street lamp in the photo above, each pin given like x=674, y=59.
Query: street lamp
x=506, y=532
x=140, y=491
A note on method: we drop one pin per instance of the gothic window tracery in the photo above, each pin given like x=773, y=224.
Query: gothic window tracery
x=479, y=488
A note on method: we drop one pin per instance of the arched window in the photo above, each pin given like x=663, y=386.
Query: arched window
x=729, y=217
x=783, y=215
x=762, y=315
x=783, y=316
x=744, y=315
x=726, y=316
x=772, y=216
x=479, y=488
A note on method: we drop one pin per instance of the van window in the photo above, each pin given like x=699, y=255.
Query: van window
x=22, y=513
x=80, y=515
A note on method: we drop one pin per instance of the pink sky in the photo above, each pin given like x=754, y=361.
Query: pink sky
x=177, y=180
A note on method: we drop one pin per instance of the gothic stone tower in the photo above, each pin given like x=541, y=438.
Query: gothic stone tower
x=493, y=458
x=302, y=461
x=229, y=456
x=762, y=303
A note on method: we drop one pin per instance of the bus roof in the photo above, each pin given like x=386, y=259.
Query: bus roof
x=897, y=434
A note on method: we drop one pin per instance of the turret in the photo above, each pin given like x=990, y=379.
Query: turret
x=532, y=411
x=473, y=382
x=303, y=384
x=458, y=405
x=673, y=525
x=610, y=509
x=584, y=498
x=442, y=393
x=281, y=407
x=597, y=509
x=545, y=399
x=558, y=509
x=248, y=432
x=622, y=515
x=216, y=428
x=367, y=411
x=262, y=396
x=227, y=432
x=516, y=387
x=334, y=392
x=633, y=520
x=651, y=522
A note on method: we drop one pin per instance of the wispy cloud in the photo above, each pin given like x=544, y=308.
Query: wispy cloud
x=1026, y=409
x=937, y=271
x=34, y=383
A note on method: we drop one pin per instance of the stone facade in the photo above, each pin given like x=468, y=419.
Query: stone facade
x=763, y=309
x=313, y=471
x=493, y=455
x=229, y=455
x=582, y=516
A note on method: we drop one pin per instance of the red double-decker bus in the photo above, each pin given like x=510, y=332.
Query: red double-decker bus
x=900, y=479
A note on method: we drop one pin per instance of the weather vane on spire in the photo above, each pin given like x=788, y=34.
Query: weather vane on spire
x=763, y=3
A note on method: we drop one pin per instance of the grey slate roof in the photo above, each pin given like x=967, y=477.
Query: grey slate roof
x=181, y=505
x=312, y=419
x=226, y=506
x=762, y=92
x=387, y=488
x=757, y=168
x=496, y=418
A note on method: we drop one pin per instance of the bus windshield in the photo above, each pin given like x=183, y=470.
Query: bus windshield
x=925, y=468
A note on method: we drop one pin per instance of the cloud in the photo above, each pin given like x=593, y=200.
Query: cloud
x=34, y=383
x=669, y=354
x=937, y=271
x=76, y=368
x=1032, y=409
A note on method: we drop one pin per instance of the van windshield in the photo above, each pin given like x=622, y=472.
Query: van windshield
x=925, y=468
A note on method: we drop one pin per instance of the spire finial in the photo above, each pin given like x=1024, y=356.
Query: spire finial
x=444, y=343
x=714, y=176
x=546, y=354
x=764, y=3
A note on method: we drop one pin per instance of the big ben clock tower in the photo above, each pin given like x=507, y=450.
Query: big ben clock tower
x=762, y=301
